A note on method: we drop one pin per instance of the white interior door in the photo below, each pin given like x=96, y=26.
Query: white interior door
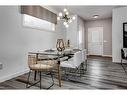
x=95, y=41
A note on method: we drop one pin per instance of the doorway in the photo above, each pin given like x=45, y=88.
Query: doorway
x=95, y=41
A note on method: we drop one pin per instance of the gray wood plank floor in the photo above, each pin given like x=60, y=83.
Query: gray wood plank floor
x=101, y=74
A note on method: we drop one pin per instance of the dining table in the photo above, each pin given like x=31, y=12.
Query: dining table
x=55, y=55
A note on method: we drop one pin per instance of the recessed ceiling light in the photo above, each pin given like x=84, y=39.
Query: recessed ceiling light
x=65, y=10
x=95, y=16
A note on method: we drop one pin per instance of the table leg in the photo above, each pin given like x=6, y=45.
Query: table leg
x=59, y=74
x=35, y=73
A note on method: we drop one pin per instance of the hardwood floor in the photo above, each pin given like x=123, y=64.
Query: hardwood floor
x=101, y=74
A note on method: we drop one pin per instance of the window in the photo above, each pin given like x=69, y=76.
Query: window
x=37, y=23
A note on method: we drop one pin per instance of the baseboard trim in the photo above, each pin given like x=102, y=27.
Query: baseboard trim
x=13, y=75
x=118, y=62
x=107, y=55
x=101, y=55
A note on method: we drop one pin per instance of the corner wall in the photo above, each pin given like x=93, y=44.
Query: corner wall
x=16, y=41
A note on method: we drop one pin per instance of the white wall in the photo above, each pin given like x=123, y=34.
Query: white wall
x=119, y=16
x=107, y=33
x=16, y=41
x=72, y=33
x=81, y=27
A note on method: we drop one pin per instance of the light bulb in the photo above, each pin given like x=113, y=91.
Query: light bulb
x=65, y=23
x=58, y=18
x=95, y=16
x=73, y=18
x=70, y=21
x=67, y=13
x=60, y=14
x=65, y=10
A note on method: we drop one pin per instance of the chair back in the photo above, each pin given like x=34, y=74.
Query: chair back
x=84, y=57
x=124, y=53
x=31, y=59
x=33, y=62
x=77, y=58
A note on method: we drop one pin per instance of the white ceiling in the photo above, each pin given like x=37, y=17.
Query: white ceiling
x=86, y=12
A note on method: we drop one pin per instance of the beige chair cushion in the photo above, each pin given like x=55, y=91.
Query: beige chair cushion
x=41, y=67
x=52, y=63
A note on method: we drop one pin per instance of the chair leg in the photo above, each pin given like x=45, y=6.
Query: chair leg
x=40, y=79
x=52, y=81
x=28, y=79
x=51, y=74
x=52, y=78
x=123, y=67
x=86, y=66
x=35, y=75
x=80, y=71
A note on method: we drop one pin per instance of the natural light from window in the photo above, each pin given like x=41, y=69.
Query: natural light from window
x=80, y=37
x=36, y=23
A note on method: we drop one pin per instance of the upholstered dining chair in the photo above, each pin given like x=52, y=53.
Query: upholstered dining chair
x=74, y=62
x=40, y=66
x=84, y=59
x=124, y=57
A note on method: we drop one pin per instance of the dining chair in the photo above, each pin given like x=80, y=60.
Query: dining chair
x=40, y=66
x=124, y=57
x=84, y=60
x=74, y=62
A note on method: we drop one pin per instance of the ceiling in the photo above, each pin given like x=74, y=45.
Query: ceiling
x=87, y=12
